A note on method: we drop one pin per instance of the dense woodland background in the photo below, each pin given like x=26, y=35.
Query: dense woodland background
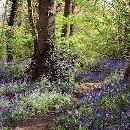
x=66, y=56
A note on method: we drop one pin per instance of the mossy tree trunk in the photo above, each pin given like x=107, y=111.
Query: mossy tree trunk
x=43, y=60
x=124, y=35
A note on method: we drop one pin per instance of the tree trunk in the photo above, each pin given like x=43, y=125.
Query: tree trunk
x=42, y=61
x=13, y=12
x=31, y=21
x=72, y=25
x=127, y=73
x=30, y=17
x=67, y=12
x=125, y=39
x=11, y=23
x=5, y=12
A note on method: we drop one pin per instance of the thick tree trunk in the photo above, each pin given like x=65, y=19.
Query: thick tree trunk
x=124, y=31
x=67, y=12
x=42, y=61
x=11, y=23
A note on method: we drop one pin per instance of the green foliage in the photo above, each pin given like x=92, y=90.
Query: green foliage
x=68, y=120
x=48, y=101
x=13, y=88
x=19, y=40
x=4, y=104
x=69, y=87
x=113, y=77
x=38, y=102
x=23, y=42
x=98, y=29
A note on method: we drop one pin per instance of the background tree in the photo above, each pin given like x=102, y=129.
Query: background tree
x=13, y=12
x=72, y=25
x=32, y=24
x=67, y=12
x=30, y=17
x=9, y=34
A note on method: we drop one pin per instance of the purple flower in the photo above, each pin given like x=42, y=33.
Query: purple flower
x=128, y=125
x=128, y=112
x=124, y=116
x=46, y=90
x=85, y=121
x=111, y=87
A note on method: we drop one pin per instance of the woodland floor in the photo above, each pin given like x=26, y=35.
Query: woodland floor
x=43, y=122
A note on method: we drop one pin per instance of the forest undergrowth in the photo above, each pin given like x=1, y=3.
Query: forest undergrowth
x=106, y=107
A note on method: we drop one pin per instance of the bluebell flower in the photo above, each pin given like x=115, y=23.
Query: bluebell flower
x=128, y=126
x=85, y=121
x=124, y=116
x=111, y=87
x=128, y=112
x=129, y=98
x=46, y=90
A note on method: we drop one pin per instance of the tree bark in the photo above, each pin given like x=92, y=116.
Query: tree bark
x=124, y=38
x=127, y=73
x=42, y=61
x=67, y=12
x=30, y=17
x=11, y=23
x=31, y=21
x=72, y=25
x=13, y=12
x=5, y=12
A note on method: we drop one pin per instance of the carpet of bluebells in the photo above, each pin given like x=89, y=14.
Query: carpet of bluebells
x=105, y=108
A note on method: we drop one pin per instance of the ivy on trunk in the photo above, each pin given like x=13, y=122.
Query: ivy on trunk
x=43, y=59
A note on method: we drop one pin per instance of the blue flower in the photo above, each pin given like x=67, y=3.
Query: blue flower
x=85, y=121
x=46, y=90
x=128, y=125
x=128, y=112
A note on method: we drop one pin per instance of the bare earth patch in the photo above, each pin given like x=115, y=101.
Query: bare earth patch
x=89, y=86
x=39, y=122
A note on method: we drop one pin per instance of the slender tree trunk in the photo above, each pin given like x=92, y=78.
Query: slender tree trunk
x=9, y=33
x=67, y=12
x=127, y=73
x=31, y=21
x=5, y=12
x=42, y=61
x=13, y=12
x=30, y=17
x=72, y=25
